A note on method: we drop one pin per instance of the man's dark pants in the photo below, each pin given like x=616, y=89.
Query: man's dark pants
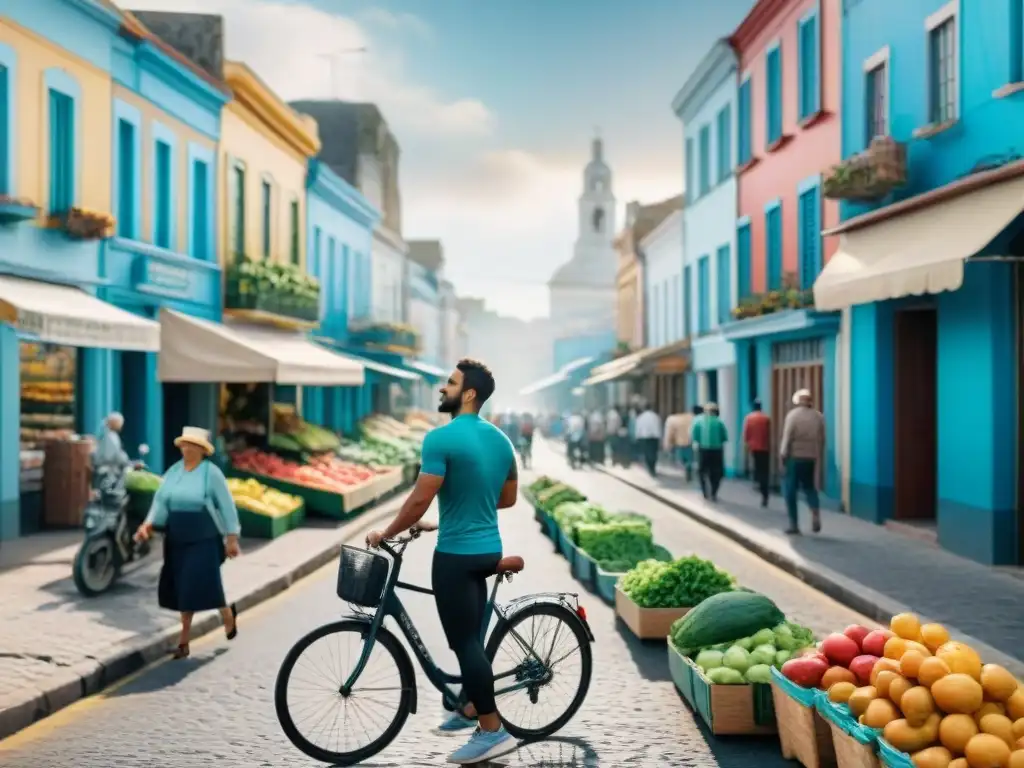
x=649, y=446
x=762, y=460
x=712, y=468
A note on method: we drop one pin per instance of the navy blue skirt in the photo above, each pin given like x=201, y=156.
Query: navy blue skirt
x=193, y=554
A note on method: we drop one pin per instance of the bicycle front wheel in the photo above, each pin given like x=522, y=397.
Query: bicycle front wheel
x=542, y=664
x=323, y=723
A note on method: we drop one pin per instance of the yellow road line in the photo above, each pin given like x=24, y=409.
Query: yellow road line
x=72, y=712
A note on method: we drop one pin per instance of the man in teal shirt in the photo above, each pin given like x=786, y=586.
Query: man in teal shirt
x=709, y=438
x=470, y=466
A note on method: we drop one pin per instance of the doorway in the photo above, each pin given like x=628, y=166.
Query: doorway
x=177, y=407
x=915, y=469
x=796, y=365
x=133, y=401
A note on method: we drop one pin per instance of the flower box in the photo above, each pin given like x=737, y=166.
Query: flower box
x=281, y=290
x=803, y=733
x=790, y=296
x=728, y=710
x=395, y=337
x=83, y=224
x=870, y=175
x=646, y=623
x=856, y=745
x=14, y=210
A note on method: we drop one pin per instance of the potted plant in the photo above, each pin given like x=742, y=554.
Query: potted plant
x=83, y=223
x=869, y=175
x=789, y=296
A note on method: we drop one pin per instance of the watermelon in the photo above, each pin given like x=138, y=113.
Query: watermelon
x=723, y=618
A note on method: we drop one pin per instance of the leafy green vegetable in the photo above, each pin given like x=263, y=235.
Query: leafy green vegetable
x=687, y=581
x=625, y=541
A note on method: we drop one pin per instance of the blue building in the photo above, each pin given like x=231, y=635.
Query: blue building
x=340, y=236
x=706, y=105
x=927, y=275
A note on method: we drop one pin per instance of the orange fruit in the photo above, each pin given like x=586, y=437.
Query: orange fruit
x=906, y=625
x=895, y=647
x=961, y=658
x=932, y=670
x=955, y=731
x=998, y=683
x=910, y=663
x=934, y=635
x=987, y=751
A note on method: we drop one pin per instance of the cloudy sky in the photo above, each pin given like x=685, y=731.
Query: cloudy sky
x=494, y=103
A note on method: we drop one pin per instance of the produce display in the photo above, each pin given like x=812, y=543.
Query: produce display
x=325, y=472
x=750, y=659
x=256, y=497
x=687, y=581
x=724, y=618
x=926, y=695
x=551, y=497
x=385, y=428
x=379, y=452
x=291, y=433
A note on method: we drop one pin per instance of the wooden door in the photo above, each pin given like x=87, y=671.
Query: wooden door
x=795, y=365
x=916, y=429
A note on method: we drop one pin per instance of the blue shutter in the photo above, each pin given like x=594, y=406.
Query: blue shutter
x=162, y=226
x=687, y=301
x=200, y=210
x=724, y=143
x=691, y=192
x=810, y=237
x=296, y=241
x=744, y=149
x=809, y=67
x=267, y=193
x=773, y=236
x=703, y=293
x=314, y=264
x=125, y=179
x=705, y=159
x=239, y=213
x=743, y=276
x=5, y=116
x=773, y=102
x=62, y=152
x=724, y=284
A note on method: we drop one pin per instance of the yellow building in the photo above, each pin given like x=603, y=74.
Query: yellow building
x=264, y=154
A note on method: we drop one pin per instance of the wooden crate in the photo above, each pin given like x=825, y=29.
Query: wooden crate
x=646, y=623
x=728, y=710
x=856, y=745
x=66, y=482
x=803, y=733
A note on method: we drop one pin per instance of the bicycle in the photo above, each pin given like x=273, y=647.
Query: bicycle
x=366, y=579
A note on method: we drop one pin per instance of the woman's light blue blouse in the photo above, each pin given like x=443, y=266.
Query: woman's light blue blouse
x=202, y=489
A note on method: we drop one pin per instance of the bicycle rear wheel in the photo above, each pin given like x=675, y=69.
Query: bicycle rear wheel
x=386, y=685
x=545, y=646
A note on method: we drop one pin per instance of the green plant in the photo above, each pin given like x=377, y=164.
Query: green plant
x=618, y=541
x=790, y=296
x=685, y=582
x=279, y=288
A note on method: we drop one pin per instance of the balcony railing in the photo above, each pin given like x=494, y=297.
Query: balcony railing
x=272, y=290
x=391, y=337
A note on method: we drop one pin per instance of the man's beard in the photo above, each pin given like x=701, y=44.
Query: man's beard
x=452, y=405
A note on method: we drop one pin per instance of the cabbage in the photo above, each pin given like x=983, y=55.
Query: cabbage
x=708, y=659
x=763, y=637
x=737, y=658
x=725, y=676
x=763, y=654
x=781, y=657
x=759, y=673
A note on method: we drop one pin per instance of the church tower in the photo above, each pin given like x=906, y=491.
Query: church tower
x=582, y=291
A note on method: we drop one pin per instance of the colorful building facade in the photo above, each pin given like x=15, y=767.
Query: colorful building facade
x=929, y=273
x=787, y=135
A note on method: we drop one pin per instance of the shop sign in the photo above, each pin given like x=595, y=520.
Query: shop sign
x=87, y=333
x=165, y=277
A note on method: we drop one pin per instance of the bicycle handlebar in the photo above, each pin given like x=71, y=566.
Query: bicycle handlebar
x=400, y=541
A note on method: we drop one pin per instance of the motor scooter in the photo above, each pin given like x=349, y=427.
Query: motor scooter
x=109, y=533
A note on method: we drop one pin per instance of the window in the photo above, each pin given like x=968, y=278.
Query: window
x=704, y=295
x=201, y=210
x=942, y=70
x=773, y=245
x=666, y=319
x=743, y=276
x=314, y=265
x=294, y=247
x=723, y=284
x=724, y=139
x=238, y=214
x=810, y=62
x=655, y=341
x=773, y=100
x=876, y=98
x=5, y=117
x=162, y=196
x=677, y=314
x=691, y=192
x=267, y=198
x=705, y=160
x=126, y=179
x=62, y=152
x=687, y=301
x=809, y=229
x=745, y=144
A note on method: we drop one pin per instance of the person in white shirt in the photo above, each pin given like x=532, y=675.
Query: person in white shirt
x=616, y=432
x=648, y=437
x=596, y=436
x=576, y=433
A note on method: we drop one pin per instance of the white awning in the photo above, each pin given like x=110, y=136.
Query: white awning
x=61, y=314
x=603, y=374
x=196, y=350
x=556, y=378
x=381, y=368
x=430, y=370
x=921, y=251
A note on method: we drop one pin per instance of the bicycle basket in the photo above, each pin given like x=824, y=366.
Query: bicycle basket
x=361, y=576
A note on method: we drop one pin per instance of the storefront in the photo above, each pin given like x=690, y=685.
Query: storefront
x=713, y=380
x=617, y=381
x=56, y=343
x=931, y=286
x=776, y=355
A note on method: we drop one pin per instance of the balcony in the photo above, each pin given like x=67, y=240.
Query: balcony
x=159, y=275
x=871, y=175
x=278, y=294
x=397, y=338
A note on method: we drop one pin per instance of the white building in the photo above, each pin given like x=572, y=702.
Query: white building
x=583, y=290
x=662, y=251
x=388, y=276
x=451, y=327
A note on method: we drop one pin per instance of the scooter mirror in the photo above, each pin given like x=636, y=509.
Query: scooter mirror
x=143, y=449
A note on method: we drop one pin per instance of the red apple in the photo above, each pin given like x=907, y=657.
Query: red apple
x=857, y=633
x=806, y=671
x=862, y=666
x=840, y=649
x=874, y=642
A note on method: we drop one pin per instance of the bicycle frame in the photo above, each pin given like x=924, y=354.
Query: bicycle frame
x=392, y=606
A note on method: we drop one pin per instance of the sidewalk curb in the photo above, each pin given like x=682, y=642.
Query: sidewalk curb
x=872, y=604
x=69, y=684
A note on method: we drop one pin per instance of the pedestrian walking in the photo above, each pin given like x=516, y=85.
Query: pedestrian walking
x=757, y=441
x=576, y=434
x=195, y=508
x=679, y=439
x=614, y=429
x=596, y=436
x=803, y=446
x=710, y=437
x=648, y=438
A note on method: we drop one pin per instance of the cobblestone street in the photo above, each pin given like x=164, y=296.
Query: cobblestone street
x=217, y=707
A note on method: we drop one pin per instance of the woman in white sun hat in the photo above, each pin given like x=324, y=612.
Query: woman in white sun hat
x=195, y=508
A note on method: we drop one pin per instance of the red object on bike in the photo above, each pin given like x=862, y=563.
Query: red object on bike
x=581, y=612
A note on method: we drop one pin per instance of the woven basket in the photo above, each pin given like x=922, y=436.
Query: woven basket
x=803, y=734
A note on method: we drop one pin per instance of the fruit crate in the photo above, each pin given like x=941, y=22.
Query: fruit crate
x=856, y=745
x=646, y=623
x=728, y=710
x=323, y=503
x=803, y=733
x=605, y=582
x=891, y=757
x=583, y=567
x=257, y=526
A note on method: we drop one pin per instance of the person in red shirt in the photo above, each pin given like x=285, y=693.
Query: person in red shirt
x=757, y=439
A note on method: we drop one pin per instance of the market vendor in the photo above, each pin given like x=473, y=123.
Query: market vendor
x=108, y=451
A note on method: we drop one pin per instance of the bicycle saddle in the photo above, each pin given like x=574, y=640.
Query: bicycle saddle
x=510, y=564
